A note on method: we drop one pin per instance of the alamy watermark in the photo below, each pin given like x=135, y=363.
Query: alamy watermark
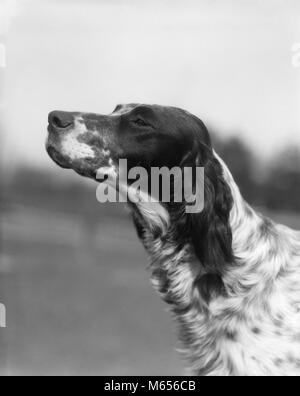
x=296, y=55
x=138, y=185
x=2, y=316
x=2, y=55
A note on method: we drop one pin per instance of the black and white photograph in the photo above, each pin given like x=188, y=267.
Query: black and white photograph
x=150, y=190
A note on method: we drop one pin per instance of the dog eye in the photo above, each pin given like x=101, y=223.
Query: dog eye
x=140, y=122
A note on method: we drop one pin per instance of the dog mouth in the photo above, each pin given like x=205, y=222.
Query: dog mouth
x=52, y=148
x=86, y=167
x=76, y=150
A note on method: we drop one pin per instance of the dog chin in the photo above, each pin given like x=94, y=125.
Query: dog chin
x=57, y=157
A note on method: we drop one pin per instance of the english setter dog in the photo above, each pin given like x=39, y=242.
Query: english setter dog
x=230, y=276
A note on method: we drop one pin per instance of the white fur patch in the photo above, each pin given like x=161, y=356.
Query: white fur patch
x=106, y=153
x=153, y=213
x=74, y=149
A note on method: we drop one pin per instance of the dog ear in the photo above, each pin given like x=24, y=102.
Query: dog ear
x=210, y=230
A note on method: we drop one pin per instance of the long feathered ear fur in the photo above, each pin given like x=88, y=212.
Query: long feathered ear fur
x=210, y=229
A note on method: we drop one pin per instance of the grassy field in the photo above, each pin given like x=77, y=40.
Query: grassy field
x=78, y=298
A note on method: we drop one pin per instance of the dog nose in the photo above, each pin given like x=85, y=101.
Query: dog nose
x=61, y=119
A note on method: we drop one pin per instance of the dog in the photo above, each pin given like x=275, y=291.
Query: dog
x=230, y=276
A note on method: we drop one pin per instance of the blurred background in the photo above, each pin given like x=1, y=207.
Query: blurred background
x=72, y=272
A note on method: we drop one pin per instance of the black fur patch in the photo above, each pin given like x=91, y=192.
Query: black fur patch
x=210, y=230
x=210, y=286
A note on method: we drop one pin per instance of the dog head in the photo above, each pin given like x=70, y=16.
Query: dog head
x=150, y=136
x=144, y=135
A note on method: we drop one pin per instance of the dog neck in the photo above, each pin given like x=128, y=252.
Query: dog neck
x=207, y=307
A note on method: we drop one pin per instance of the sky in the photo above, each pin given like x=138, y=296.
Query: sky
x=229, y=62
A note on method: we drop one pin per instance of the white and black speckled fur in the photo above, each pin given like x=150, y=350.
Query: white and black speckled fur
x=251, y=327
